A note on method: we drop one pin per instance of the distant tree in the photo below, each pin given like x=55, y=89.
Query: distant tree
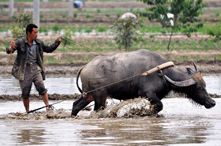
x=126, y=31
x=24, y=18
x=186, y=14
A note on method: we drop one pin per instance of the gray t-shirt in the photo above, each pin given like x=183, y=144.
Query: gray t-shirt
x=32, y=57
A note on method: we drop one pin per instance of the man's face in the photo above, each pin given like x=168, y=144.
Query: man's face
x=34, y=34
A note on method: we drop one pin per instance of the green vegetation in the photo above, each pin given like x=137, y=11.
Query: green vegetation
x=24, y=19
x=52, y=60
x=66, y=0
x=75, y=15
x=184, y=15
x=89, y=16
x=150, y=31
x=89, y=30
x=196, y=58
x=107, y=15
x=181, y=58
x=126, y=31
x=56, y=28
x=210, y=29
x=214, y=31
x=149, y=44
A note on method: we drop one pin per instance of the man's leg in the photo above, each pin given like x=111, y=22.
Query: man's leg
x=39, y=85
x=26, y=104
x=45, y=99
x=25, y=86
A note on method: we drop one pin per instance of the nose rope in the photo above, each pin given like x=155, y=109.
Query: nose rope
x=182, y=76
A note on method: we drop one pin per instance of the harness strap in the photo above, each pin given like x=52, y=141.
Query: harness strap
x=162, y=75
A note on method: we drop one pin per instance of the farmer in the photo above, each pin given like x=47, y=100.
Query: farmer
x=28, y=66
x=78, y=4
x=128, y=15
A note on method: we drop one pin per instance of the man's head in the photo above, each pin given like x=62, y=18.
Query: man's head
x=32, y=31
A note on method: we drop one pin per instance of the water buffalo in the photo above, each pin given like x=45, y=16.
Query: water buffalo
x=119, y=76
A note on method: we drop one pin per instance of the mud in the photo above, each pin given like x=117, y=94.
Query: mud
x=55, y=97
x=138, y=107
x=71, y=69
x=122, y=122
x=58, y=114
x=35, y=97
x=180, y=123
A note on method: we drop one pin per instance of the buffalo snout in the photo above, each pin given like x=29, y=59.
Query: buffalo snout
x=209, y=103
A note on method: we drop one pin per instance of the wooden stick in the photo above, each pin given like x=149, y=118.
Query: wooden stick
x=14, y=39
x=44, y=107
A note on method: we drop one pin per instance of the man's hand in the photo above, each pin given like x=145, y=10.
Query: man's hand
x=12, y=45
x=59, y=39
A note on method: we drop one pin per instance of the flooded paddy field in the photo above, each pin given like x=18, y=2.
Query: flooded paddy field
x=180, y=123
x=67, y=85
x=121, y=123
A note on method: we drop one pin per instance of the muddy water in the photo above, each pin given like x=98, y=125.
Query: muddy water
x=10, y=86
x=180, y=123
x=121, y=123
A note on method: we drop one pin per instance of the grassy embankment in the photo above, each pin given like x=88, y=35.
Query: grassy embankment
x=108, y=45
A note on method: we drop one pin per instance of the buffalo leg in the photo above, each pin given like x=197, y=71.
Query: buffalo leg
x=99, y=99
x=156, y=103
x=81, y=103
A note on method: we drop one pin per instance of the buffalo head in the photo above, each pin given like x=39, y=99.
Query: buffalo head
x=194, y=87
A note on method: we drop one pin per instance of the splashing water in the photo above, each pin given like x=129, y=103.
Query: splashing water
x=114, y=109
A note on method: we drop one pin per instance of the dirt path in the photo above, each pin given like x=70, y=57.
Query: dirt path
x=206, y=66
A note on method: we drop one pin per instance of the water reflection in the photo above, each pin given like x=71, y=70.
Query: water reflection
x=30, y=136
x=10, y=86
x=147, y=130
x=180, y=123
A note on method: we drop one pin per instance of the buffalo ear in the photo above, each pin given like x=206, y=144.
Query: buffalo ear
x=190, y=71
x=185, y=83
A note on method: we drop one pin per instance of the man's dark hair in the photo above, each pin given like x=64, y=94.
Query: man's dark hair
x=30, y=27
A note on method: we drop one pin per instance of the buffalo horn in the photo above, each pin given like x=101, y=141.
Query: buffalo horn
x=195, y=67
x=184, y=83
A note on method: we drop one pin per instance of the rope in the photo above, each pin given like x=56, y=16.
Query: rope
x=113, y=83
x=158, y=68
x=14, y=39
